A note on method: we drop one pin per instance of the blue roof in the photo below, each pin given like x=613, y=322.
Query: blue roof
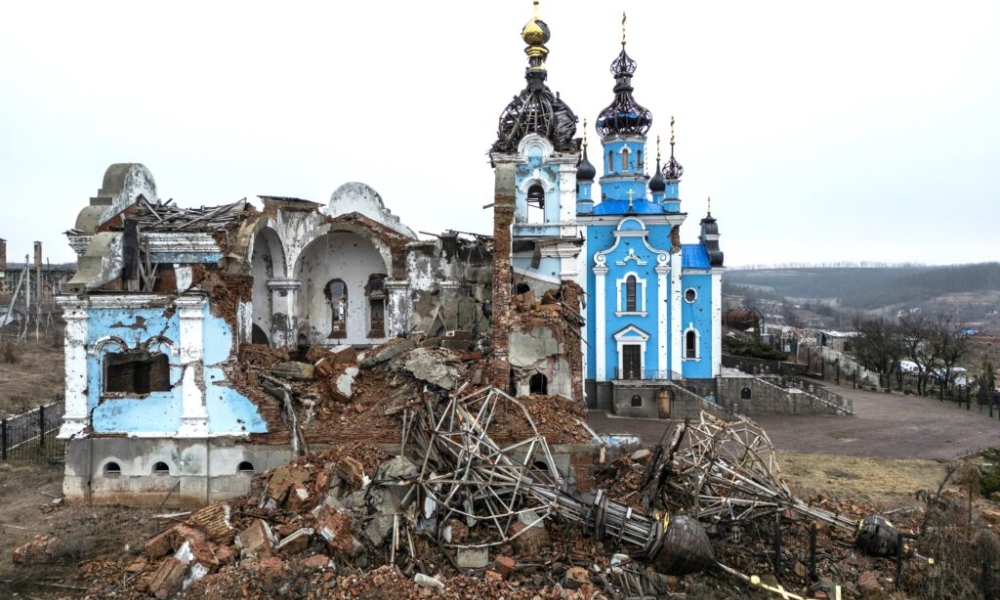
x=694, y=256
x=620, y=207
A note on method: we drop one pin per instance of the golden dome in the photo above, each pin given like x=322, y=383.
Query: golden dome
x=535, y=32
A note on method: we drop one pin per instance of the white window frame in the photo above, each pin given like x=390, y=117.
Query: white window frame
x=640, y=292
x=697, y=343
x=693, y=300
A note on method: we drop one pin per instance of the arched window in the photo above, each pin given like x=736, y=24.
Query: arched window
x=245, y=468
x=746, y=394
x=636, y=400
x=112, y=469
x=375, y=290
x=624, y=159
x=630, y=298
x=691, y=344
x=538, y=384
x=536, y=196
x=161, y=468
x=611, y=159
x=638, y=160
x=336, y=295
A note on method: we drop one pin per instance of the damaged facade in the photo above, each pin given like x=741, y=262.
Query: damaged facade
x=205, y=344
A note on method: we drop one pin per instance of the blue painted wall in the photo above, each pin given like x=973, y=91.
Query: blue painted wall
x=158, y=329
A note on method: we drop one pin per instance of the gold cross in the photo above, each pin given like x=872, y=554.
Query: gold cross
x=631, y=193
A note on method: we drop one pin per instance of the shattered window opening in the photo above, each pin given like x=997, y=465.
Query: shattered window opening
x=136, y=372
x=336, y=295
x=376, y=306
x=538, y=384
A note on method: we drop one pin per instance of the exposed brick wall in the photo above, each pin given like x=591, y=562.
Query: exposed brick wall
x=503, y=216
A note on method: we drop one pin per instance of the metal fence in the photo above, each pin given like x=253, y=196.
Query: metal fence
x=635, y=374
x=32, y=435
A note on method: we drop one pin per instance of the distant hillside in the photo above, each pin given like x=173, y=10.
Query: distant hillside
x=870, y=287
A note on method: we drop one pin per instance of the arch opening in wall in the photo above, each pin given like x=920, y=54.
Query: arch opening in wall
x=538, y=384
x=336, y=297
x=257, y=335
x=375, y=291
x=112, y=469
x=522, y=288
x=611, y=162
x=690, y=344
x=746, y=394
x=161, y=468
x=625, y=155
x=138, y=372
x=636, y=401
x=245, y=468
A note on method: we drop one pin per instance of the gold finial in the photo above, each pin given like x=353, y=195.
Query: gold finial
x=623, y=28
x=535, y=33
x=585, y=133
x=657, y=148
x=671, y=135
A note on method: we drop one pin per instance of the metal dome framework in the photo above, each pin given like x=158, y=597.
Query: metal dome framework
x=624, y=115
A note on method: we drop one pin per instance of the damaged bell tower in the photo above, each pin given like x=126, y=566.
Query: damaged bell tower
x=536, y=341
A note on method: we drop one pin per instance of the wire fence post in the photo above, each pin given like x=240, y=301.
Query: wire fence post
x=3, y=439
x=41, y=427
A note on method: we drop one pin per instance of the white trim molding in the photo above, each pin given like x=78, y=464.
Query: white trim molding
x=631, y=336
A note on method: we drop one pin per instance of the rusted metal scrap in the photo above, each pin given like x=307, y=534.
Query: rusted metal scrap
x=467, y=475
x=726, y=473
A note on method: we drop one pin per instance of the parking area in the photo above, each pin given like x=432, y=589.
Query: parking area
x=883, y=426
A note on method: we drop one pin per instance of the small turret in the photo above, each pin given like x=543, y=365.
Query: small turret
x=585, y=173
x=710, y=238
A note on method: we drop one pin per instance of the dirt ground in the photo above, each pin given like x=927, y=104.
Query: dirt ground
x=38, y=374
x=27, y=492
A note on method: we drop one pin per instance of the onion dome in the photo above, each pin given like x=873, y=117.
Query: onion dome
x=585, y=171
x=657, y=183
x=536, y=109
x=624, y=115
x=673, y=169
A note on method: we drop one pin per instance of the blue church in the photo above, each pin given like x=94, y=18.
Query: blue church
x=651, y=304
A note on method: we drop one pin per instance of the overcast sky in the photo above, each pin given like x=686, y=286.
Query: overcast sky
x=823, y=132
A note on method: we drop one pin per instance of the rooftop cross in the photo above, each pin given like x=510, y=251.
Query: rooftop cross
x=631, y=197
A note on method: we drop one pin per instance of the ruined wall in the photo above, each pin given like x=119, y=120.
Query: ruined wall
x=197, y=346
x=203, y=472
x=449, y=281
x=351, y=259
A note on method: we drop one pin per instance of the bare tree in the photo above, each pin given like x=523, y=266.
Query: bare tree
x=948, y=343
x=877, y=347
x=915, y=332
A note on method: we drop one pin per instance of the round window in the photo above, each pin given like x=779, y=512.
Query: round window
x=690, y=295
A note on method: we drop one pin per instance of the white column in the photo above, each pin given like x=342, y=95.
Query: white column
x=676, y=339
x=397, y=308
x=600, y=316
x=284, y=295
x=662, y=269
x=76, y=417
x=194, y=416
x=716, y=323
